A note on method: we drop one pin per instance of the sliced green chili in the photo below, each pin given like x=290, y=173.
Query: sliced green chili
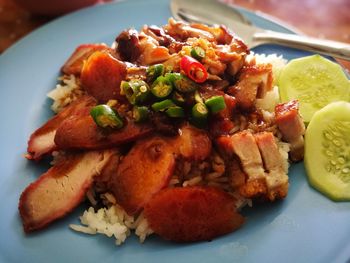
x=162, y=105
x=181, y=82
x=215, y=103
x=178, y=98
x=161, y=87
x=104, y=116
x=198, y=53
x=136, y=91
x=140, y=113
x=197, y=97
x=154, y=71
x=175, y=112
x=199, y=111
x=199, y=115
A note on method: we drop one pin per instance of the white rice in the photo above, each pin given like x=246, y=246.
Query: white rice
x=65, y=92
x=112, y=222
x=271, y=99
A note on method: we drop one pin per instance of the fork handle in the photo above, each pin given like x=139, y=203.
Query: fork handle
x=327, y=47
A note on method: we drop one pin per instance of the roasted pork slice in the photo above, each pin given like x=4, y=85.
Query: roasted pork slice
x=192, y=213
x=83, y=133
x=41, y=142
x=61, y=188
x=101, y=76
x=143, y=172
x=276, y=175
x=75, y=62
x=192, y=143
x=107, y=172
x=292, y=127
x=253, y=83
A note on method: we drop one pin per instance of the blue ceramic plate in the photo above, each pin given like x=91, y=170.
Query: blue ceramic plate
x=306, y=227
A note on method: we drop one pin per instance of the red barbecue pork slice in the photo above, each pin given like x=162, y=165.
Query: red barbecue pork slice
x=144, y=171
x=83, y=133
x=101, y=76
x=75, y=62
x=192, y=213
x=41, y=142
x=58, y=191
x=192, y=143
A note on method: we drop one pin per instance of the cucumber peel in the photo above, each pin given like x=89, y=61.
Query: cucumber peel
x=327, y=151
x=315, y=82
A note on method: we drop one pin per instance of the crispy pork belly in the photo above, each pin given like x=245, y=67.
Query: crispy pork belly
x=75, y=62
x=244, y=146
x=143, y=172
x=41, y=142
x=82, y=133
x=292, y=127
x=243, y=157
x=60, y=189
x=255, y=165
x=192, y=213
x=253, y=83
x=276, y=175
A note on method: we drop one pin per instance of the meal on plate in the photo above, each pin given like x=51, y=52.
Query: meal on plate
x=170, y=130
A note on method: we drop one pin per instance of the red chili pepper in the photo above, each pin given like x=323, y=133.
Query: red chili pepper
x=193, y=69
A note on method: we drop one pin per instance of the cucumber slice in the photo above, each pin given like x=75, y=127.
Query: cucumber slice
x=327, y=151
x=315, y=82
